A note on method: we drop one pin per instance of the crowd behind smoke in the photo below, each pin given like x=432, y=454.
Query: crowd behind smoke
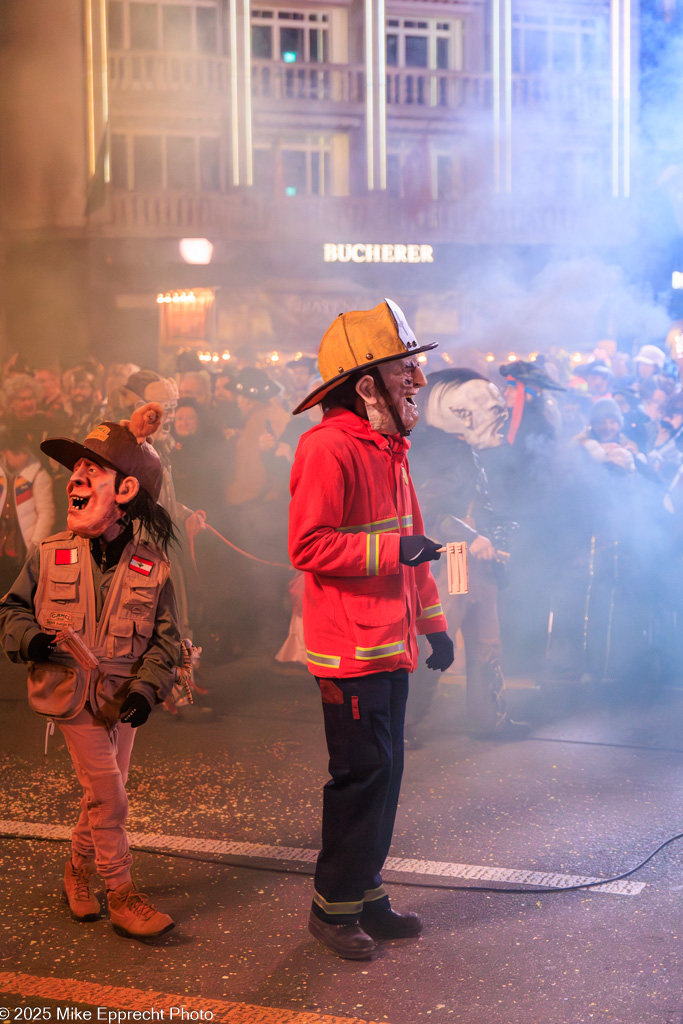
x=591, y=476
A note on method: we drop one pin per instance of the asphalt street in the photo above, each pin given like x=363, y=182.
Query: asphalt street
x=230, y=790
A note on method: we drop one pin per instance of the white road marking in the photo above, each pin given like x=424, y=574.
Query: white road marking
x=444, y=871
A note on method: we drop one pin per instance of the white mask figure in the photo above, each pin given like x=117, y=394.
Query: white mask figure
x=474, y=411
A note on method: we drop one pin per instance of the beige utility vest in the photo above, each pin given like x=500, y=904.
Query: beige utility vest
x=65, y=597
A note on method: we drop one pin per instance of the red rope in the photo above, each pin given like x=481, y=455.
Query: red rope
x=278, y=565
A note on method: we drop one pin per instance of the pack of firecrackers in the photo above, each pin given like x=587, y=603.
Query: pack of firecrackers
x=79, y=650
x=456, y=561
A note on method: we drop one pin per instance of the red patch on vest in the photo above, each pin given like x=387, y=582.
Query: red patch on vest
x=141, y=565
x=66, y=556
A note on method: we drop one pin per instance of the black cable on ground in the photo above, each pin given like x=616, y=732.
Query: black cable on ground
x=238, y=862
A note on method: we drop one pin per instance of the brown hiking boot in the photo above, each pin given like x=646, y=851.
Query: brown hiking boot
x=133, y=915
x=82, y=901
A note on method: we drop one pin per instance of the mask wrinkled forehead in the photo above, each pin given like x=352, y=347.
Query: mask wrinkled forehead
x=479, y=395
x=447, y=399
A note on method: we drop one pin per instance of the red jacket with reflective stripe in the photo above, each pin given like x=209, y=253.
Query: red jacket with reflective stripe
x=352, y=498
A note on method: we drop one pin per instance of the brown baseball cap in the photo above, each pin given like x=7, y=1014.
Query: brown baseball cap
x=113, y=446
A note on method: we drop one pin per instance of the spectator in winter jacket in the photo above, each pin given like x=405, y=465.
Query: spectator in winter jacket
x=27, y=508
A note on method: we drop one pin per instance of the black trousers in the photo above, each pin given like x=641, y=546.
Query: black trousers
x=364, y=730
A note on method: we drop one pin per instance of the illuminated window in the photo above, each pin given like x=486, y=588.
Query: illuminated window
x=561, y=45
x=147, y=163
x=175, y=27
x=419, y=171
x=153, y=163
x=425, y=43
x=297, y=166
x=144, y=26
x=180, y=163
x=294, y=37
x=118, y=161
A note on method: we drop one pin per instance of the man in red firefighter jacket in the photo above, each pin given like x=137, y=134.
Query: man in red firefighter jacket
x=356, y=532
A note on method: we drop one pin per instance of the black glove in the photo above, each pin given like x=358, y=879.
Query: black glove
x=41, y=647
x=442, y=651
x=135, y=710
x=418, y=548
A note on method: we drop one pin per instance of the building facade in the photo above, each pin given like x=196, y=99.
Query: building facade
x=313, y=156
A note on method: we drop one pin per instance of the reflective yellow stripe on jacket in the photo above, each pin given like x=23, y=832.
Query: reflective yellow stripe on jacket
x=383, y=651
x=326, y=660
x=378, y=526
x=390, y=525
x=372, y=556
x=431, y=611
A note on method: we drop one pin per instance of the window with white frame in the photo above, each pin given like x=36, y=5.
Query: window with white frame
x=179, y=26
x=294, y=166
x=423, y=170
x=291, y=36
x=543, y=43
x=425, y=43
x=153, y=163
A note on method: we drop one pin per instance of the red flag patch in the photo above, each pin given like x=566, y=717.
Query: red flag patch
x=66, y=556
x=141, y=565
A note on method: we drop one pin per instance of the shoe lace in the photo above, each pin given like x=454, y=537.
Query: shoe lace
x=138, y=903
x=82, y=883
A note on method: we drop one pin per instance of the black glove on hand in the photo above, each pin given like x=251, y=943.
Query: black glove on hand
x=442, y=651
x=41, y=647
x=135, y=710
x=417, y=549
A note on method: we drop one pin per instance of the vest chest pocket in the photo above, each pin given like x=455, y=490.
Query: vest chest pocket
x=140, y=601
x=62, y=584
x=119, y=642
x=122, y=634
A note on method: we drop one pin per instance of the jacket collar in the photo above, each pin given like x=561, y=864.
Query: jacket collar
x=350, y=423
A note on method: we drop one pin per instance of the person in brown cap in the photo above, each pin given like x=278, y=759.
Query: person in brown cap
x=93, y=613
x=356, y=533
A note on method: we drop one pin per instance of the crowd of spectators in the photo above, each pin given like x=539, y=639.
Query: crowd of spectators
x=593, y=475
x=592, y=472
x=226, y=445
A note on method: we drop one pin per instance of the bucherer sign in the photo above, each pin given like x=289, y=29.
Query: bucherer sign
x=371, y=252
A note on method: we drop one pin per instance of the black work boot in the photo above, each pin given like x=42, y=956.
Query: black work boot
x=381, y=922
x=346, y=940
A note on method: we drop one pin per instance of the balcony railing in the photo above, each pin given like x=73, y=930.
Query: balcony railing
x=455, y=90
x=449, y=90
x=586, y=96
x=155, y=72
x=250, y=216
x=149, y=213
x=407, y=88
x=330, y=83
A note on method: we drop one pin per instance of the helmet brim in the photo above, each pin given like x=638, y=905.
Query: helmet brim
x=316, y=396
